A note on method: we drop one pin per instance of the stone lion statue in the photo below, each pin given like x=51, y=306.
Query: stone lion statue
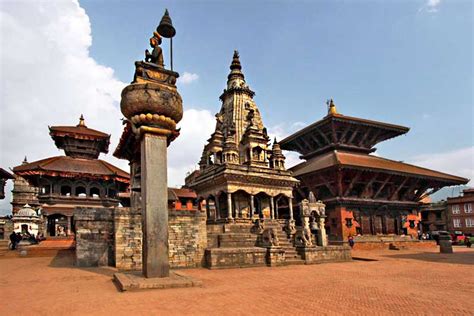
x=270, y=238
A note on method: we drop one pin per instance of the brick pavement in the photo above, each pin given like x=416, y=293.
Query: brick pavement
x=398, y=282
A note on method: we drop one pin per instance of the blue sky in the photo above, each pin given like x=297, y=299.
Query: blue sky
x=395, y=61
x=402, y=62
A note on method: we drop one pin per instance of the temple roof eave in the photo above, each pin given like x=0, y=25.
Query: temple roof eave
x=237, y=174
x=365, y=162
x=69, y=167
x=396, y=130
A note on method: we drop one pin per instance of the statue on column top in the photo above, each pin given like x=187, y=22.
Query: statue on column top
x=156, y=56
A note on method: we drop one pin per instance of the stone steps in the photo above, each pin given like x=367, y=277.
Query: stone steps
x=291, y=255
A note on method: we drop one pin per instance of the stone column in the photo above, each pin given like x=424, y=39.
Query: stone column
x=229, y=205
x=217, y=207
x=252, y=206
x=68, y=229
x=322, y=231
x=208, y=210
x=290, y=206
x=154, y=190
x=272, y=208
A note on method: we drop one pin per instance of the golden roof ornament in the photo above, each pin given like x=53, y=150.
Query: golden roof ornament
x=331, y=107
x=81, y=122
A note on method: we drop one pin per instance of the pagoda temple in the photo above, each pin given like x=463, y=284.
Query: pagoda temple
x=365, y=195
x=78, y=179
x=240, y=176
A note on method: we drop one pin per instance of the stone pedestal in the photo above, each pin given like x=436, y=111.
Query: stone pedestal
x=135, y=281
x=316, y=254
x=154, y=206
x=275, y=256
x=445, y=244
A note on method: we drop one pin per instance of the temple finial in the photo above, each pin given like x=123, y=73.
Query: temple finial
x=81, y=121
x=236, y=61
x=25, y=160
x=331, y=107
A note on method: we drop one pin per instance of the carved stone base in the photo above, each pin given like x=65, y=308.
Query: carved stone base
x=325, y=254
x=134, y=281
x=222, y=258
x=275, y=256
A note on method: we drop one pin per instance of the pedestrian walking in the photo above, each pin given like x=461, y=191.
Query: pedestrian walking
x=351, y=241
x=13, y=240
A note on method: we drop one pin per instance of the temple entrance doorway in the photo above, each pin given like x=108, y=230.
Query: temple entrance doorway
x=24, y=229
x=282, y=210
x=262, y=205
x=57, y=225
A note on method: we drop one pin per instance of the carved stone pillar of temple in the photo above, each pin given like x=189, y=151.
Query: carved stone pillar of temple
x=272, y=208
x=229, y=205
x=252, y=206
x=290, y=207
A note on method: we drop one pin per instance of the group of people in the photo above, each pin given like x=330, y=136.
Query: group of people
x=15, y=239
x=424, y=236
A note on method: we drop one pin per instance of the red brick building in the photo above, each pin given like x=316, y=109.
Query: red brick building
x=461, y=213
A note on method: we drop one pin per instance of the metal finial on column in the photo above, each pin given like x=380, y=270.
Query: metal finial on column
x=167, y=30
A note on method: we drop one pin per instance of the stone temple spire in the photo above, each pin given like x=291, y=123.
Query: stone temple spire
x=236, y=78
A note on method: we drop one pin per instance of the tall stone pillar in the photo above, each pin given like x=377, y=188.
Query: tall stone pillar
x=252, y=206
x=229, y=205
x=290, y=207
x=154, y=205
x=153, y=107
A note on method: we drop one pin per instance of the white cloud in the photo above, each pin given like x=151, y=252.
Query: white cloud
x=431, y=6
x=184, y=153
x=187, y=78
x=457, y=162
x=48, y=78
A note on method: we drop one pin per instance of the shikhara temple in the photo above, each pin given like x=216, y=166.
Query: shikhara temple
x=365, y=195
x=77, y=179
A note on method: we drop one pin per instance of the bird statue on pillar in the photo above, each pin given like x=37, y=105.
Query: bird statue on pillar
x=156, y=56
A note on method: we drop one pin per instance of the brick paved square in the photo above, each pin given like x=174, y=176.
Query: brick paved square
x=396, y=282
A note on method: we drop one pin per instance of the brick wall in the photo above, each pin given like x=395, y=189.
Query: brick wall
x=94, y=237
x=128, y=239
x=187, y=238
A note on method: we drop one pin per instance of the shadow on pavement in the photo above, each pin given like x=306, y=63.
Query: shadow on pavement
x=66, y=258
x=466, y=258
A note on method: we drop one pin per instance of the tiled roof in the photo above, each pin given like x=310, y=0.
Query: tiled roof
x=173, y=194
x=369, y=162
x=5, y=174
x=65, y=166
x=77, y=130
x=184, y=193
x=396, y=129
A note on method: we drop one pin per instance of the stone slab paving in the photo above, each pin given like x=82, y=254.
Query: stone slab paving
x=397, y=282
